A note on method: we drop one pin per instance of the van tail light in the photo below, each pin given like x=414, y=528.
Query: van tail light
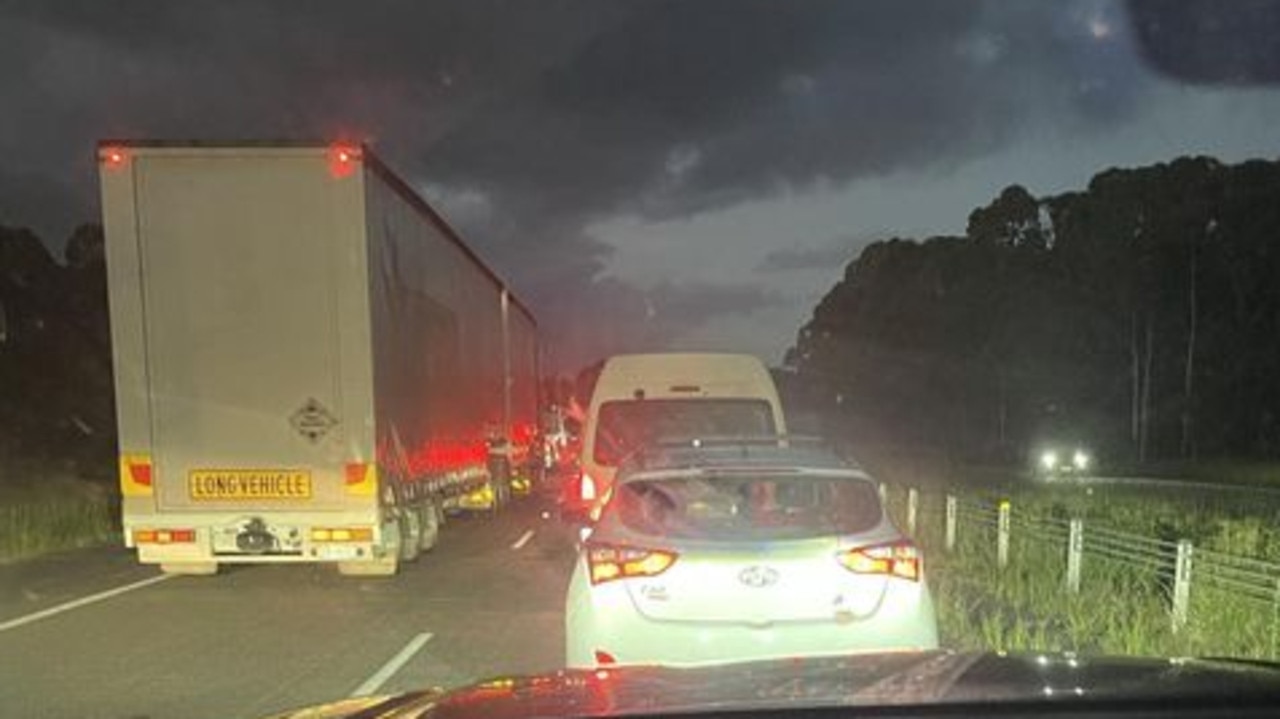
x=609, y=562
x=899, y=559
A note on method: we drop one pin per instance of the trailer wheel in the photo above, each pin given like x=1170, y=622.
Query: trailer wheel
x=410, y=526
x=383, y=567
x=430, y=527
x=194, y=569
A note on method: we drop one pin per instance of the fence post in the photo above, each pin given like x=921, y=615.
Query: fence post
x=913, y=508
x=1075, y=550
x=951, y=522
x=1182, y=585
x=1002, y=535
x=1275, y=616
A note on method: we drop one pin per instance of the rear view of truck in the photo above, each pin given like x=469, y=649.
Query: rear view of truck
x=310, y=365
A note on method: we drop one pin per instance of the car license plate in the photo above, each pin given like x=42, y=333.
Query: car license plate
x=243, y=484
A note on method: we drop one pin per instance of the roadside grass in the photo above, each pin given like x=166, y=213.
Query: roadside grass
x=1123, y=607
x=56, y=513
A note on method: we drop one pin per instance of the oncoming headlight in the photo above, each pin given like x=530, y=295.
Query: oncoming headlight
x=1049, y=460
x=1080, y=459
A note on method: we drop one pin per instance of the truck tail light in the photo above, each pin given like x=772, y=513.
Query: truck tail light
x=609, y=562
x=342, y=534
x=164, y=536
x=899, y=559
x=361, y=478
x=136, y=475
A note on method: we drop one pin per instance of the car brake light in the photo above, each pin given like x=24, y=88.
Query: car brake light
x=900, y=559
x=610, y=562
x=603, y=657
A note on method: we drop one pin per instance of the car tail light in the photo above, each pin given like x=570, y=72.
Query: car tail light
x=135, y=475
x=900, y=559
x=608, y=562
x=603, y=657
x=587, y=488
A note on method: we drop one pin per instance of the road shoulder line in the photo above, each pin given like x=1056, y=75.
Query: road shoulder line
x=81, y=602
x=523, y=540
x=393, y=665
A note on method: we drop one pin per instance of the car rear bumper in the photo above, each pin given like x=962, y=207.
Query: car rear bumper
x=905, y=621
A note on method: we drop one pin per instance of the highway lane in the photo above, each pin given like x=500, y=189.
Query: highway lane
x=255, y=640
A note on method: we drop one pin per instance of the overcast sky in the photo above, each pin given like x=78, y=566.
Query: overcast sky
x=646, y=174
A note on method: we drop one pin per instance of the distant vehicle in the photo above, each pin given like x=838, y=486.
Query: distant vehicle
x=1063, y=460
x=310, y=365
x=642, y=398
x=740, y=551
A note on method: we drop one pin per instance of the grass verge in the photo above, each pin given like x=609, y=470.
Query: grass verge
x=57, y=513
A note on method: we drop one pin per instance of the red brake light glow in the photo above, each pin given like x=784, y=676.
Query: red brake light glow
x=900, y=560
x=343, y=159
x=611, y=562
x=112, y=157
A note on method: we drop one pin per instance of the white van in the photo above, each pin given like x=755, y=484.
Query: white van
x=643, y=398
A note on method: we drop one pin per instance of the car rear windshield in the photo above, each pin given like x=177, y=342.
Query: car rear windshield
x=624, y=425
x=752, y=507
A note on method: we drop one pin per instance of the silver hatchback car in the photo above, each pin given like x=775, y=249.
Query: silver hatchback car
x=732, y=552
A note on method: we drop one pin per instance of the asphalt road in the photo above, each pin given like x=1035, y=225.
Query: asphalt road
x=254, y=640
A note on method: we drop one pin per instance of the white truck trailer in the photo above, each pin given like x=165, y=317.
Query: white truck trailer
x=310, y=364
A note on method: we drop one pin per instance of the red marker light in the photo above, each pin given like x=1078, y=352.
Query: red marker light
x=343, y=159
x=112, y=157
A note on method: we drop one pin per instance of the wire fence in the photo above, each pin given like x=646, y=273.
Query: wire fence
x=1210, y=599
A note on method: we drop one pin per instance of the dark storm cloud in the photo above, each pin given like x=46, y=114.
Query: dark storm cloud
x=835, y=253
x=549, y=115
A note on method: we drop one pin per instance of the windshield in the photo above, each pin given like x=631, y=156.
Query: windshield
x=623, y=426
x=738, y=508
x=350, y=349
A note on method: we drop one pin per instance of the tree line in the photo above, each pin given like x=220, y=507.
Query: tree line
x=56, y=392
x=1140, y=315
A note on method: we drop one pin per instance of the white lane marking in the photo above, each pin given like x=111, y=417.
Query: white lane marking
x=523, y=540
x=380, y=677
x=81, y=602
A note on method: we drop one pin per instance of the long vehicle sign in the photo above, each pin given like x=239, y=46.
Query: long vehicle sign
x=218, y=484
